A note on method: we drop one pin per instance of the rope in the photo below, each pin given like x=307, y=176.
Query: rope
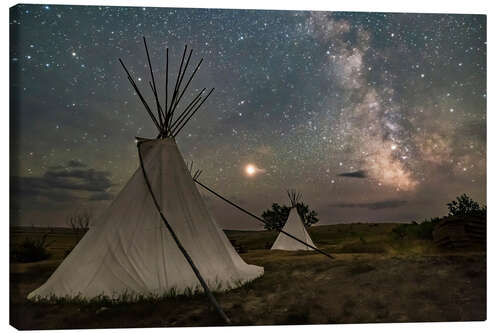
x=179, y=245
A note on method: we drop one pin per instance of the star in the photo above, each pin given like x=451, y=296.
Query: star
x=302, y=95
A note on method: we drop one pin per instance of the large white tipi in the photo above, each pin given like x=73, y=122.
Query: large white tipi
x=294, y=227
x=130, y=249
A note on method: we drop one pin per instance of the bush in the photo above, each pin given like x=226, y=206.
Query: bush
x=425, y=229
x=238, y=247
x=417, y=230
x=31, y=250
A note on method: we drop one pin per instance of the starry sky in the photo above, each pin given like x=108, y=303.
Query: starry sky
x=373, y=117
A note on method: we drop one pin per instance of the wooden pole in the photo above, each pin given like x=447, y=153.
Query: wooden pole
x=182, y=78
x=188, y=108
x=176, y=100
x=160, y=110
x=185, y=113
x=192, y=113
x=187, y=84
x=132, y=82
x=174, y=95
x=154, y=84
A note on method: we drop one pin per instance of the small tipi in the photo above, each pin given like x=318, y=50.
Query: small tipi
x=295, y=227
x=131, y=250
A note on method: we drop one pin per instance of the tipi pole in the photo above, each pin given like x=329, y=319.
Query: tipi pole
x=167, y=118
x=174, y=95
x=182, y=78
x=187, y=84
x=180, y=127
x=154, y=84
x=179, y=244
x=137, y=90
x=259, y=219
x=160, y=110
x=188, y=109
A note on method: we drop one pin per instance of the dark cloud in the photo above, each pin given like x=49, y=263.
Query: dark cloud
x=27, y=188
x=61, y=185
x=374, y=205
x=355, y=174
x=78, y=179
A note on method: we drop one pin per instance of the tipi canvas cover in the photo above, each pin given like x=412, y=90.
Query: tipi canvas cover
x=130, y=251
x=295, y=227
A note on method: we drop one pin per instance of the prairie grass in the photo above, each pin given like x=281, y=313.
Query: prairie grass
x=409, y=281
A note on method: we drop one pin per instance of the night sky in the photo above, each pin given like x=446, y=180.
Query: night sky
x=371, y=116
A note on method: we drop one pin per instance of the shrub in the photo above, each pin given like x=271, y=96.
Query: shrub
x=31, y=250
x=417, y=230
x=237, y=246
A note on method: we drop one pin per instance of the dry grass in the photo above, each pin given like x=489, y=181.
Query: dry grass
x=410, y=281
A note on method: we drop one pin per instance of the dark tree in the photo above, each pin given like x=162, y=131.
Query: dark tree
x=79, y=222
x=465, y=206
x=276, y=217
x=309, y=217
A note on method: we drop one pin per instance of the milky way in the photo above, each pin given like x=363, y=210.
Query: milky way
x=371, y=116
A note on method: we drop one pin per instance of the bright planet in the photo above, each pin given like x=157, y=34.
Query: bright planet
x=250, y=169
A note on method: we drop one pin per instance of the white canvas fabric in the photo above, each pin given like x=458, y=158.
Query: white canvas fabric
x=295, y=227
x=130, y=251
